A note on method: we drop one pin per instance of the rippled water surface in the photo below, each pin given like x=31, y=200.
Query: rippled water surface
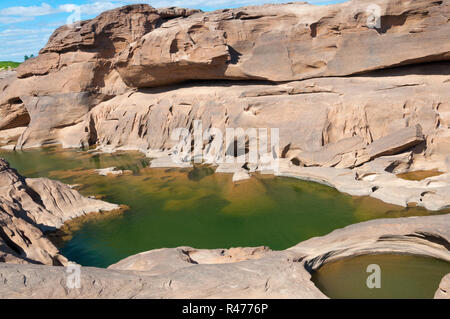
x=191, y=207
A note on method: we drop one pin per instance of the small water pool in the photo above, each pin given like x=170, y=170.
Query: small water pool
x=401, y=277
x=419, y=175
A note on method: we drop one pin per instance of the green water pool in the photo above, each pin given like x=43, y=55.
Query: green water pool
x=401, y=276
x=191, y=207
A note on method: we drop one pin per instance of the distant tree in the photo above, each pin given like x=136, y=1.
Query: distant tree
x=26, y=57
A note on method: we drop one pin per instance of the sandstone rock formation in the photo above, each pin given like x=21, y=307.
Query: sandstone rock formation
x=355, y=103
x=443, y=292
x=343, y=128
x=31, y=206
x=98, y=40
x=144, y=120
x=427, y=236
x=90, y=84
x=58, y=95
x=300, y=40
x=252, y=273
x=161, y=261
x=373, y=179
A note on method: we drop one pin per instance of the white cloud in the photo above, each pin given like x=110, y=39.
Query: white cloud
x=100, y=6
x=91, y=8
x=10, y=20
x=31, y=11
x=22, y=41
x=25, y=32
x=20, y=13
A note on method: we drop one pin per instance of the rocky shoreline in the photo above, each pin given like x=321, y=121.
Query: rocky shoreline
x=356, y=105
x=184, y=272
x=351, y=124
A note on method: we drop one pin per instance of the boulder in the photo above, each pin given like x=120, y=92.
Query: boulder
x=330, y=154
x=99, y=38
x=396, y=142
x=13, y=115
x=352, y=151
x=138, y=46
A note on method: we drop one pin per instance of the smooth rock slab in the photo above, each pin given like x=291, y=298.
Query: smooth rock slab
x=443, y=292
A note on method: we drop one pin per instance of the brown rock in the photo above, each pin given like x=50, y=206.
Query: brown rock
x=396, y=142
x=443, y=292
x=332, y=153
x=9, y=138
x=351, y=152
x=144, y=120
x=173, y=45
x=49, y=113
x=14, y=115
x=38, y=66
x=90, y=98
x=334, y=40
x=81, y=91
x=73, y=72
x=21, y=241
x=163, y=261
x=414, y=236
x=168, y=273
x=99, y=38
x=28, y=207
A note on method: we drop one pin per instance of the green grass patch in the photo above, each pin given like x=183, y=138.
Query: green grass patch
x=8, y=64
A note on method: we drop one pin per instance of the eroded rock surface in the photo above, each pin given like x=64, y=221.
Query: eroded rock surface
x=355, y=104
x=257, y=273
x=57, y=94
x=94, y=84
x=443, y=292
x=427, y=236
x=31, y=206
x=356, y=124
x=160, y=261
x=28, y=205
x=300, y=40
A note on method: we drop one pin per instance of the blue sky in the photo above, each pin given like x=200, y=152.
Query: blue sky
x=25, y=25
